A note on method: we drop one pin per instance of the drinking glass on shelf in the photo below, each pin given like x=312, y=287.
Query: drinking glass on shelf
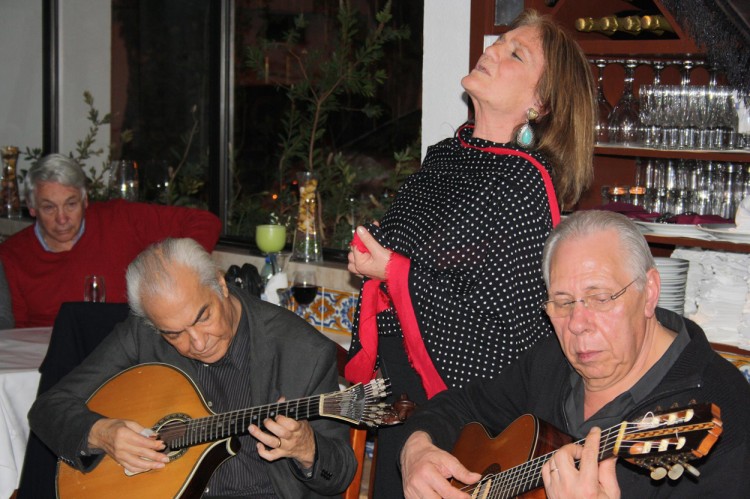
x=660, y=188
x=94, y=289
x=624, y=123
x=304, y=286
x=722, y=117
x=658, y=67
x=670, y=116
x=687, y=98
x=604, y=107
x=650, y=106
x=701, y=201
x=649, y=109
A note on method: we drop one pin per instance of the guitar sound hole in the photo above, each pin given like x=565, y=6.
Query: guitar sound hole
x=171, y=429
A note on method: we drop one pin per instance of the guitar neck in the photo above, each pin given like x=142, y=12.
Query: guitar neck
x=666, y=438
x=528, y=476
x=211, y=428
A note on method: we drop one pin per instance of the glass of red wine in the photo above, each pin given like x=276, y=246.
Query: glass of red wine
x=304, y=286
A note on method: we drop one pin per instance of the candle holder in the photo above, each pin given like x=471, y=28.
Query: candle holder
x=11, y=200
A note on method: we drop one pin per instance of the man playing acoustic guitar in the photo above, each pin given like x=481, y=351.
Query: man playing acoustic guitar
x=239, y=352
x=616, y=357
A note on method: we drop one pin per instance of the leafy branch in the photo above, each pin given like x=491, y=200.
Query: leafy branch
x=86, y=150
x=343, y=77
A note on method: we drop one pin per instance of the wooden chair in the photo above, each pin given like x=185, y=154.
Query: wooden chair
x=358, y=438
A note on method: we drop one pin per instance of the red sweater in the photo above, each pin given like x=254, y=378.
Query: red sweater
x=116, y=232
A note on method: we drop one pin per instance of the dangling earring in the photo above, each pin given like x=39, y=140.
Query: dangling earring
x=525, y=135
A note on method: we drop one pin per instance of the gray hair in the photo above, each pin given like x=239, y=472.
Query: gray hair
x=150, y=273
x=637, y=257
x=55, y=168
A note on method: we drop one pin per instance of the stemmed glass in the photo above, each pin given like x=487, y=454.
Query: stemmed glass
x=685, y=118
x=658, y=67
x=722, y=117
x=650, y=107
x=271, y=239
x=304, y=286
x=94, y=289
x=604, y=107
x=623, y=120
x=650, y=98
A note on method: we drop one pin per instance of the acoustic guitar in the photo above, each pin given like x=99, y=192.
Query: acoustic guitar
x=197, y=440
x=511, y=463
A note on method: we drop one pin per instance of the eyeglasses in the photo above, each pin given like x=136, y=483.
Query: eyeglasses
x=599, y=302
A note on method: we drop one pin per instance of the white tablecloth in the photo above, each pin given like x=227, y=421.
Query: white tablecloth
x=21, y=353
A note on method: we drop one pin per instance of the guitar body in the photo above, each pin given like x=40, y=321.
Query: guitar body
x=525, y=439
x=150, y=394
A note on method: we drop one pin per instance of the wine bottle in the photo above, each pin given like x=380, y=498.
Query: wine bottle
x=630, y=25
x=607, y=25
x=656, y=24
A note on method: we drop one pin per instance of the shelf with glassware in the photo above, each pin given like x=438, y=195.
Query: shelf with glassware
x=630, y=62
x=679, y=144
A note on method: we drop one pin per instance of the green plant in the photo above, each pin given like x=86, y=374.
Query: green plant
x=328, y=81
x=184, y=180
x=86, y=150
x=187, y=179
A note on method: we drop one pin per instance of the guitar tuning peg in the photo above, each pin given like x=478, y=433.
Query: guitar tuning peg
x=676, y=471
x=658, y=473
x=691, y=469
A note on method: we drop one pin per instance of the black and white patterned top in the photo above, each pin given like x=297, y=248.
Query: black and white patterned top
x=473, y=224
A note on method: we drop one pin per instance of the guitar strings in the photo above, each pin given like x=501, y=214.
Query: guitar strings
x=527, y=476
x=186, y=433
x=350, y=403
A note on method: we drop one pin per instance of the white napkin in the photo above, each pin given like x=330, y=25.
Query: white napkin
x=275, y=283
x=742, y=218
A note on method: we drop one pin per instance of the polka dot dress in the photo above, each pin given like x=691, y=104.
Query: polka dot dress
x=473, y=224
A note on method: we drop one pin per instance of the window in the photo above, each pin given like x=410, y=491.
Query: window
x=213, y=95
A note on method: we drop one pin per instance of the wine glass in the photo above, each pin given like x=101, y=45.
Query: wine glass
x=651, y=107
x=604, y=107
x=94, y=289
x=650, y=98
x=304, y=286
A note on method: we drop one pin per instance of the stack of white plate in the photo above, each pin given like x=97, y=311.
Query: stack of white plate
x=673, y=272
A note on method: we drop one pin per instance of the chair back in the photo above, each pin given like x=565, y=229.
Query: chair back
x=357, y=438
x=79, y=327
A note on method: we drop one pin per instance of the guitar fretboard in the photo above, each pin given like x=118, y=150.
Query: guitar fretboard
x=357, y=404
x=181, y=434
x=528, y=476
x=675, y=437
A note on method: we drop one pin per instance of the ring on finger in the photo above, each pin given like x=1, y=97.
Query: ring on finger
x=279, y=446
